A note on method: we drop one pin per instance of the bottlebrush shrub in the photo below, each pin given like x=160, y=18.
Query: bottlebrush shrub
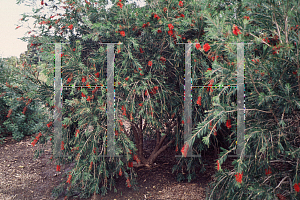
x=165, y=72
x=20, y=114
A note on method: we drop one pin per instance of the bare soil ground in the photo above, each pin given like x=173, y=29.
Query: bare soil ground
x=23, y=177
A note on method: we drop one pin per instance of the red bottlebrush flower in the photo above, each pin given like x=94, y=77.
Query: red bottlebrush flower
x=24, y=110
x=182, y=15
x=280, y=196
x=170, y=26
x=141, y=50
x=97, y=74
x=140, y=69
x=215, y=133
x=156, y=16
x=130, y=164
x=218, y=165
x=64, y=125
x=141, y=74
x=94, y=149
x=122, y=33
x=128, y=183
x=228, y=123
x=295, y=72
x=70, y=26
x=50, y=139
x=121, y=123
x=34, y=142
x=246, y=17
x=198, y=46
x=170, y=32
x=162, y=59
x=236, y=30
x=184, y=150
x=150, y=63
x=239, y=177
x=159, y=31
x=120, y=172
x=127, y=78
x=120, y=5
x=69, y=178
x=83, y=95
x=58, y=168
x=89, y=98
x=268, y=171
x=77, y=131
x=296, y=187
x=165, y=9
x=206, y=47
x=144, y=25
x=9, y=113
x=262, y=74
x=180, y=3
x=116, y=133
x=122, y=108
x=182, y=121
x=83, y=79
x=141, y=104
x=146, y=93
x=199, y=101
x=62, y=147
x=69, y=80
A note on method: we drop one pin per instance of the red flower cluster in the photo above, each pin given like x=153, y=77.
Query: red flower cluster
x=69, y=80
x=162, y=59
x=140, y=104
x=83, y=79
x=218, y=165
x=246, y=17
x=228, y=123
x=24, y=110
x=124, y=110
x=9, y=113
x=198, y=46
x=210, y=84
x=180, y=3
x=199, y=101
x=62, y=147
x=116, y=133
x=70, y=26
x=77, y=131
x=239, y=177
x=128, y=183
x=255, y=60
x=83, y=95
x=268, y=171
x=156, y=16
x=280, y=196
x=122, y=33
x=120, y=172
x=135, y=157
x=130, y=164
x=69, y=178
x=95, y=90
x=159, y=31
x=206, y=47
x=184, y=150
x=236, y=30
x=154, y=90
x=150, y=63
x=141, y=50
x=120, y=5
x=36, y=139
x=297, y=187
x=58, y=168
x=91, y=165
x=127, y=78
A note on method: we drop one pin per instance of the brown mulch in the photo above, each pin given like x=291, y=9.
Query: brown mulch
x=23, y=177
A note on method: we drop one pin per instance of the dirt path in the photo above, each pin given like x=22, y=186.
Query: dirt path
x=23, y=177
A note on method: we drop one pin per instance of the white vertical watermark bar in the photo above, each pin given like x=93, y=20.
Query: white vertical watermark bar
x=240, y=100
x=110, y=102
x=240, y=151
x=58, y=103
x=187, y=100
